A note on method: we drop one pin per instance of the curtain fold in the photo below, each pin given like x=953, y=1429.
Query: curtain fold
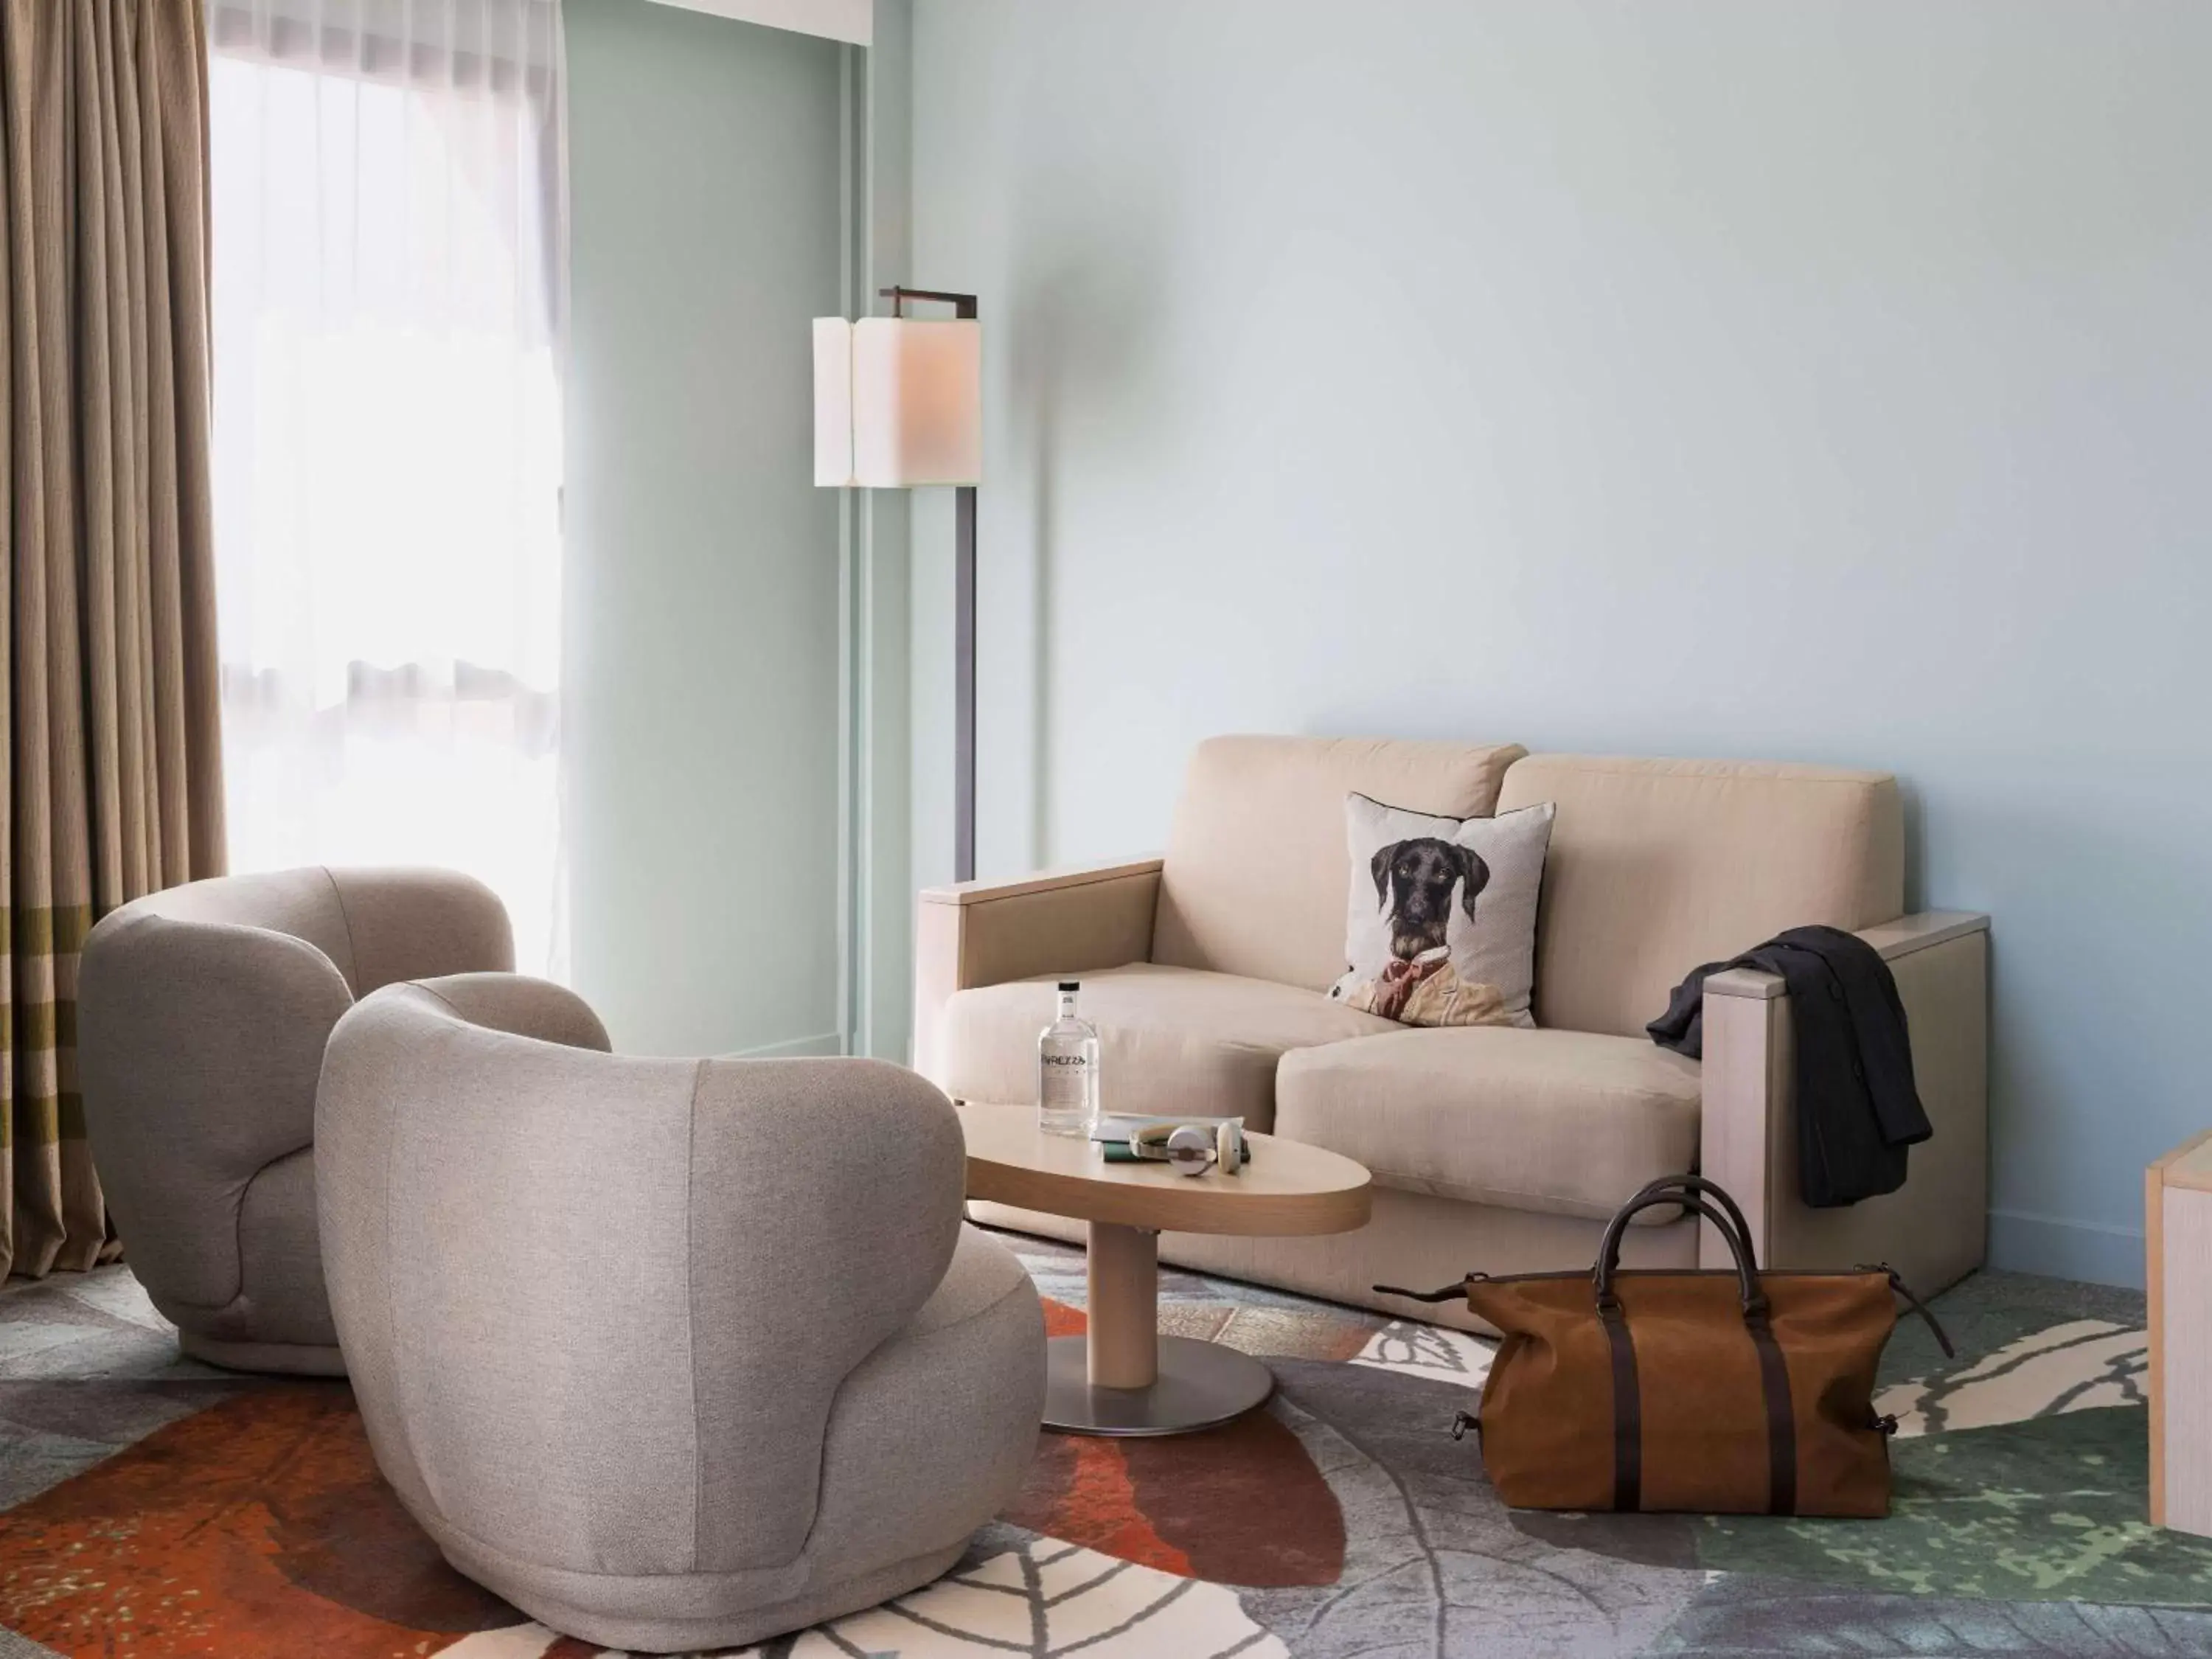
x=110, y=751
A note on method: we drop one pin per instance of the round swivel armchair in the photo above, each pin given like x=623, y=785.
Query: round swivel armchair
x=202, y=1015
x=673, y=1354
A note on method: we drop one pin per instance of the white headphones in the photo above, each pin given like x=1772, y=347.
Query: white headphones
x=1190, y=1149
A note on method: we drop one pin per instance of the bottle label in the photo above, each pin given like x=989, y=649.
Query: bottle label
x=1064, y=1082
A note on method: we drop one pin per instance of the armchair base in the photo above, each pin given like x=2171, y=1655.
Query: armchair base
x=282, y=1358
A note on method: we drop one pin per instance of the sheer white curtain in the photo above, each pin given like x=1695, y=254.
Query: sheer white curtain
x=388, y=296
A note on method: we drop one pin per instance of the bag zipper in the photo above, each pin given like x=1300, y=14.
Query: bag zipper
x=1457, y=1288
x=1896, y=1284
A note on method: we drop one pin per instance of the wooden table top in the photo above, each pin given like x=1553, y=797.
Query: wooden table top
x=1288, y=1188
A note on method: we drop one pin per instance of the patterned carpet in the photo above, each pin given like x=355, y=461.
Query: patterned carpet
x=150, y=1505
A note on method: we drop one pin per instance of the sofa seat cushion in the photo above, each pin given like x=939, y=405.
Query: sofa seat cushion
x=1568, y=1122
x=1170, y=1039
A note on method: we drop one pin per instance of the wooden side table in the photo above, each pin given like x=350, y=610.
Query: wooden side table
x=1124, y=1377
x=2177, y=1238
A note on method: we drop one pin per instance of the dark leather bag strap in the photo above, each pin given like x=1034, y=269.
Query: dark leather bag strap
x=1664, y=1185
x=1608, y=1249
x=1781, y=1421
x=1717, y=1194
x=1627, y=1409
x=1773, y=1370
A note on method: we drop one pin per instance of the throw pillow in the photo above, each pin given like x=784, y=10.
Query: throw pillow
x=1441, y=929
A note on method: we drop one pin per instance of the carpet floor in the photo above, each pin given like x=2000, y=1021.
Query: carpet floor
x=151, y=1506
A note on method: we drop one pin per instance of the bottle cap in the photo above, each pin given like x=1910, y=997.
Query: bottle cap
x=1071, y=985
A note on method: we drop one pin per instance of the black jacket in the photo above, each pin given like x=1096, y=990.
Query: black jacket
x=1857, y=1110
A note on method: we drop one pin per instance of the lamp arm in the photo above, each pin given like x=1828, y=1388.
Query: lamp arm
x=963, y=305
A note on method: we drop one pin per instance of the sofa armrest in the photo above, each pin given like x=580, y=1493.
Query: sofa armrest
x=198, y=1048
x=1933, y=1228
x=986, y=932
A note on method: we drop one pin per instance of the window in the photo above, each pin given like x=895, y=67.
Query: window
x=388, y=278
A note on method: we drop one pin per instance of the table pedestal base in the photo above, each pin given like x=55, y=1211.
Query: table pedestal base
x=1124, y=1377
x=1199, y=1385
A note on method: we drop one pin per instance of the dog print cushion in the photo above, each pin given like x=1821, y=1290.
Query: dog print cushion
x=1440, y=928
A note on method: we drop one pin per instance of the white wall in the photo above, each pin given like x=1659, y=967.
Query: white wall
x=1827, y=381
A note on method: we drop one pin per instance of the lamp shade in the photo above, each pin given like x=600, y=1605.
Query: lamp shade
x=833, y=401
x=897, y=402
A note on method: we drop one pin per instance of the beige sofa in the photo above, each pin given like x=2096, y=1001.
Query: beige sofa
x=1492, y=1148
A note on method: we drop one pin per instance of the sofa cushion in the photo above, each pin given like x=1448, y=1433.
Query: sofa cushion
x=1658, y=866
x=1254, y=882
x=1568, y=1122
x=1170, y=1039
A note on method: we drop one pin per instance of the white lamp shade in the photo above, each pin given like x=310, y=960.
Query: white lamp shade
x=833, y=401
x=897, y=402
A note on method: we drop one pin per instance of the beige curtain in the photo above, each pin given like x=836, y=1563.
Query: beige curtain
x=110, y=763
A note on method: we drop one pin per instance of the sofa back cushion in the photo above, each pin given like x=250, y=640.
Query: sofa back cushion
x=1254, y=882
x=1658, y=866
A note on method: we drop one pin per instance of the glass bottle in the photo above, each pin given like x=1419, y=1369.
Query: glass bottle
x=1067, y=1070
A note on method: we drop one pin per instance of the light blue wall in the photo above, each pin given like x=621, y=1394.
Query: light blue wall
x=1824, y=382
x=704, y=718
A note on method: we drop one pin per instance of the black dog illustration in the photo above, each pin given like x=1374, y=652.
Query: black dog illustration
x=1413, y=881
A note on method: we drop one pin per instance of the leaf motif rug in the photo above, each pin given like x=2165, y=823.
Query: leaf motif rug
x=150, y=1505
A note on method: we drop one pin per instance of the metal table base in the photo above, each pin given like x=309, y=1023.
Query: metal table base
x=1124, y=1377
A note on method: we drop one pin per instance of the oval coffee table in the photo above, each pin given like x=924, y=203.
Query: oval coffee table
x=1124, y=1377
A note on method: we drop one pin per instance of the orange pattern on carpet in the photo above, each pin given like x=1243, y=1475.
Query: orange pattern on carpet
x=1240, y=1504
x=258, y=1529
x=1093, y=1502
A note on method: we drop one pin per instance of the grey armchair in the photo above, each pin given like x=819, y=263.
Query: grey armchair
x=672, y=1354
x=202, y=1015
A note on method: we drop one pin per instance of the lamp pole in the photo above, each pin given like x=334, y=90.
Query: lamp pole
x=963, y=622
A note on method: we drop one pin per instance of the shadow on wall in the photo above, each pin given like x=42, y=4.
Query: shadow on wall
x=2086, y=1086
x=1916, y=848
x=1035, y=377
x=1085, y=328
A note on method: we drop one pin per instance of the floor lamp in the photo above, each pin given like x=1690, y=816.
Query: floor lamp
x=898, y=405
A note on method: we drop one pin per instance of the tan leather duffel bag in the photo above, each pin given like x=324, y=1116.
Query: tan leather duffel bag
x=1727, y=1391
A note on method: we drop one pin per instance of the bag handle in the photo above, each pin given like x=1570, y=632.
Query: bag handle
x=1608, y=1252
x=1773, y=1371
x=1620, y=1343
x=1718, y=1193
